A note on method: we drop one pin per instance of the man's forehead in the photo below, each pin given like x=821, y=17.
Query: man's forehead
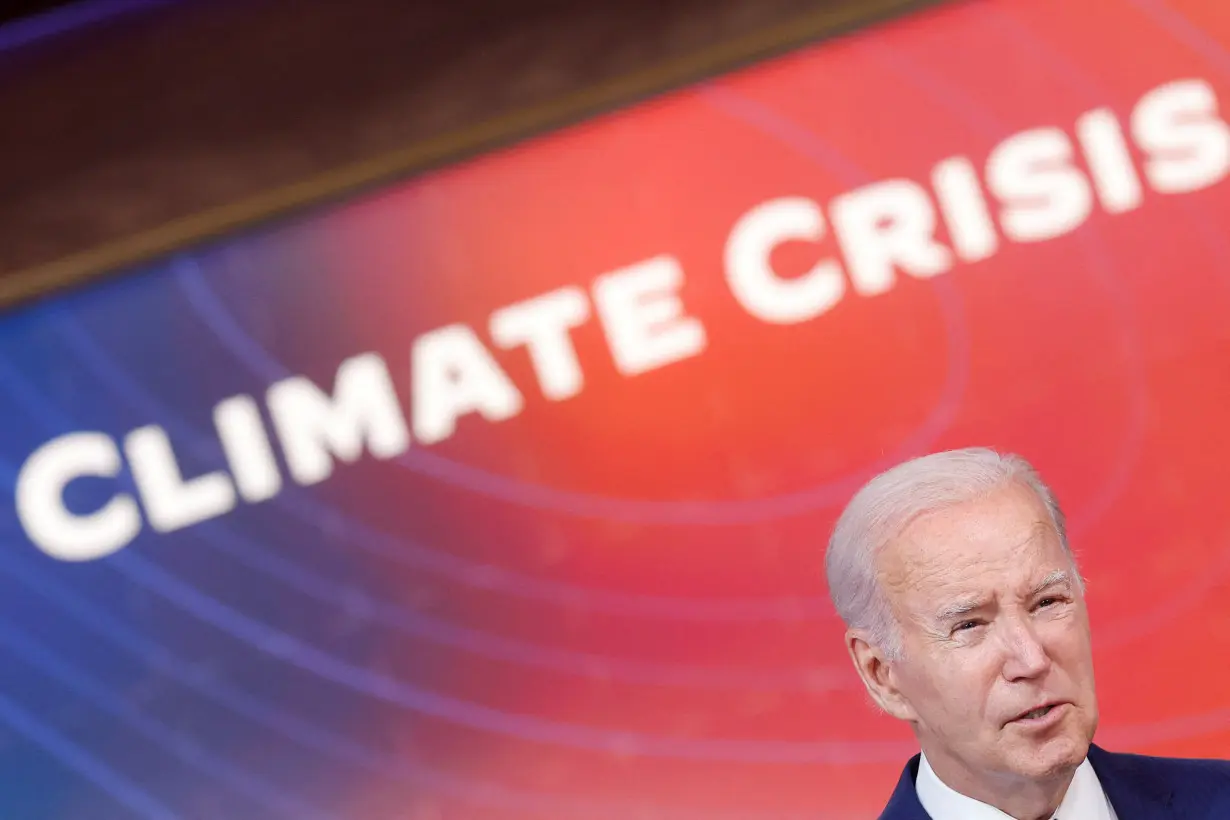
x=969, y=539
x=922, y=547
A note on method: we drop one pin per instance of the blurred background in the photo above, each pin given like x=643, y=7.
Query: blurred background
x=439, y=410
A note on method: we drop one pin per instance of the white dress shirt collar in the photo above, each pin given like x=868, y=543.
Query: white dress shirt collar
x=1084, y=800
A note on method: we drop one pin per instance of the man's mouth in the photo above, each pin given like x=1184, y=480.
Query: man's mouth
x=1037, y=713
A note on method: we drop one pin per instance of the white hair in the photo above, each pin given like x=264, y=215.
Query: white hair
x=886, y=505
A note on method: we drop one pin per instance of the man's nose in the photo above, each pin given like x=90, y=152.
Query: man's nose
x=1025, y=655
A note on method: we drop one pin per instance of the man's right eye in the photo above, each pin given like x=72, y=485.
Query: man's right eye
x=965, y=626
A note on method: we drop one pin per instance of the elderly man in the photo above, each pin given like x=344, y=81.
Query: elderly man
x=965, y=615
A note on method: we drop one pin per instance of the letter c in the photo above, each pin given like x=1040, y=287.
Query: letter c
x=40, y=499
x=752, y=280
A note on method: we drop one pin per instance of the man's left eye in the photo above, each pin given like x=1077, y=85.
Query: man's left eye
x=1048, y=602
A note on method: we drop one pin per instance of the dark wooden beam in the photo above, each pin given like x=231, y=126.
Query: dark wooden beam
x=184, y=121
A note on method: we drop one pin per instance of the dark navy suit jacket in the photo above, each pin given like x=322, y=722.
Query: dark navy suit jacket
x=1139, y=788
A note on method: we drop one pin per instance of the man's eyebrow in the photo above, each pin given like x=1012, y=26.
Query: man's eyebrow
x=1057, y=578
x=957, y=609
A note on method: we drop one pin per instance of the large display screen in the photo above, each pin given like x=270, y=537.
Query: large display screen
x=503, y=492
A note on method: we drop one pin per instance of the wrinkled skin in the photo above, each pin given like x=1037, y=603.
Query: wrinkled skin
x=992, y=623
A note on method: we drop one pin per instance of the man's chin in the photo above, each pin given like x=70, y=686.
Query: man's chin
x=1056, y=757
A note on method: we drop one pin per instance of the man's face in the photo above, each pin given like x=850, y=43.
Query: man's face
x=993, y=625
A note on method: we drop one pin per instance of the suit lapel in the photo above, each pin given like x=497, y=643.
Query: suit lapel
x=1134, y=790
x=904, y=805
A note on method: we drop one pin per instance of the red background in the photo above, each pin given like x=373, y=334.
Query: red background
x=1103, y=356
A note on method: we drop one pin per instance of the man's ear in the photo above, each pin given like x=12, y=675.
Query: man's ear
x=878, y=673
